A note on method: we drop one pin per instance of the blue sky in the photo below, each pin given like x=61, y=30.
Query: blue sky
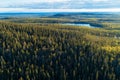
x=58, y=5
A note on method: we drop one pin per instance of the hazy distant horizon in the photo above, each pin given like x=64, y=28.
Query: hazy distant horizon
x=24, y=10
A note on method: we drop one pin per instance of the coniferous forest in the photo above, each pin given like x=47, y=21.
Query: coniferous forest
x=46, y=49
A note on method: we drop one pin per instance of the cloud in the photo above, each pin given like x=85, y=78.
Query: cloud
x=100, y=0
x=60, y=4
x=50, y=0
x=11, y=10
x=66, y=4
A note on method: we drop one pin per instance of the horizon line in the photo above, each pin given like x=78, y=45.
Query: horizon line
x=27, y=10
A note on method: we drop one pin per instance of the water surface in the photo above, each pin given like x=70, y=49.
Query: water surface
x=79, y=24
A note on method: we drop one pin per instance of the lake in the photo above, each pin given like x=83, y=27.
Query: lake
x=79, y=24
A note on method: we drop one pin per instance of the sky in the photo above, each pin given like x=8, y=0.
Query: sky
x=60, y=5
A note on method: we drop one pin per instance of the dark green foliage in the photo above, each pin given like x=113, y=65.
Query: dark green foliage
x=53, y=52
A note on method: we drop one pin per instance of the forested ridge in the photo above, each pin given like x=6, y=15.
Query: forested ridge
x=30, y=51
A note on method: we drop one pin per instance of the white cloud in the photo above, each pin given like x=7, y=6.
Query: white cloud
x=58, y=10
x=100, y=0
x=4, y=3
x=40, y=1
x=60, y=4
